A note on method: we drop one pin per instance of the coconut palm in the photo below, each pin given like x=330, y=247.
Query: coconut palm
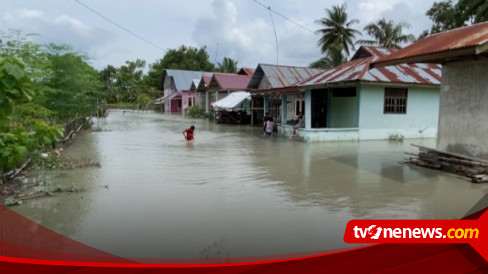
x=333, y=58
x=387, y=34
x=478, y=8
x=336, y=29
x=228, y=65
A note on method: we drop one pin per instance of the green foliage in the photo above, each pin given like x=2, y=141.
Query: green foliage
x=46, y=135
x=336, y=29
x=333, y=58
x=227, y=66
x=476, y=10
x=13, y=148
x=185, y=57
x=387, y=34
x=14, y=85
x=194, y=111
x=445, y=16
x=72, y=84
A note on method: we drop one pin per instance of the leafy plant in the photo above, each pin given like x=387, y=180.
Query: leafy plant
x=194, y=111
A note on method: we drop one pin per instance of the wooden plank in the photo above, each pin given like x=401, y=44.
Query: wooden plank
x=482, y=178
x=451, y=154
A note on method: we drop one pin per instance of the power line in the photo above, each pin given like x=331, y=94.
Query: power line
x=120, y=26
x=284, y=17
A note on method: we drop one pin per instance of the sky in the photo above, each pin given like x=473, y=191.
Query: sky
x=111, y=32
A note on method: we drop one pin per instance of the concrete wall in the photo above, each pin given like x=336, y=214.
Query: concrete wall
x=420, y=120
x=464, y=108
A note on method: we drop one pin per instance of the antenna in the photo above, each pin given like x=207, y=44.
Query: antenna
x=216, y=52
x=276, y=36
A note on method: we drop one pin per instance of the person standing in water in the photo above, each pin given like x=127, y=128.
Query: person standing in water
x=188, y=133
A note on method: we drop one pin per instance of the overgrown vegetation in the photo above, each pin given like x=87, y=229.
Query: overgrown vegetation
x=41, y=87
x=194, y=111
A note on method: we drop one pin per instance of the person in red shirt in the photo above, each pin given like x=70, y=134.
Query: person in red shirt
x=188, y=133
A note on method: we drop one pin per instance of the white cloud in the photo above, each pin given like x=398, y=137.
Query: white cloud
x=242, y=29
x=70, y=22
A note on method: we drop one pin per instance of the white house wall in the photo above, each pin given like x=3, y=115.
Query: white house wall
x=464, y=108
x=420, y=120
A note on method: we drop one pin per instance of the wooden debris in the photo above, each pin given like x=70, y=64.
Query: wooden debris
x=473, y=168
x=481, y=178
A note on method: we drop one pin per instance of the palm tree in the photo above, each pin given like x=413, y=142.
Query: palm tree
x=478, y=8
x=336, y=29
x=228, y=66
x=387, y=34
x=333, y=58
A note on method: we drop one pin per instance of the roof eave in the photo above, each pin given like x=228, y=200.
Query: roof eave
x=438, y=58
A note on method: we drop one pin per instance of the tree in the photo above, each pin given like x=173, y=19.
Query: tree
x=228, y=66
x=333, y=58
x=14, y=86
x=108, y=77
x=387, y=34
x=129, y=80
x=185, y=57
x=72, y=84
x=336, y=29
x=477, y=9
x=445, y=16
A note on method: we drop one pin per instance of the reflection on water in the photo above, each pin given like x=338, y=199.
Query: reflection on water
x=234, y=192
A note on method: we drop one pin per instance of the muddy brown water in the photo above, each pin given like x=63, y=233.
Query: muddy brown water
x=233, y=192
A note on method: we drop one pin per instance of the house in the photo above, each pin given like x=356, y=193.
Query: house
x=199, y=89
x=463, y=53
x=246, y=71
x=268, y=77
x=355, y=102
x=222, y=84
x=176, y=89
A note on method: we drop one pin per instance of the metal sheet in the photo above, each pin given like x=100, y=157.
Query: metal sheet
x=232, y=100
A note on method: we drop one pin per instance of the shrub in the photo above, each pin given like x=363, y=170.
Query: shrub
x=194, y=111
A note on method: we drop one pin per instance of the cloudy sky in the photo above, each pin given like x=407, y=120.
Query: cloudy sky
x=111, y=32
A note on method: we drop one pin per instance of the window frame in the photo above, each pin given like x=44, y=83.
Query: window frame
x=395, y=101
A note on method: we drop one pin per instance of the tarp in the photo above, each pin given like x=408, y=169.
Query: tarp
x=161, y=100
x=232, y=100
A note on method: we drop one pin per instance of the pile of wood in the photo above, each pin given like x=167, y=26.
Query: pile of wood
x=474, y=168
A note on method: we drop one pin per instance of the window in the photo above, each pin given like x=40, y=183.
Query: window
x=395, y=100
x=190, y=99
x=299, y=106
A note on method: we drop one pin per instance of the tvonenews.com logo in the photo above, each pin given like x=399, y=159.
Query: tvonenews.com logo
x=466, y=231
x=375, y=232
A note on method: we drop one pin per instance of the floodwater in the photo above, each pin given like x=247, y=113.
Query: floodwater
x=234, y=192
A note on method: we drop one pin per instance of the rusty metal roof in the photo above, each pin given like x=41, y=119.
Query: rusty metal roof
x=280, y=76
x=358, y=69
x=246, y=71
x=440, y=47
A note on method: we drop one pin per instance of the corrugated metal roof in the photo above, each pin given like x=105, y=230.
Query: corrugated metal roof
x=227, y=81
x=195, y=84
x=473, y=36
x=183, y=78
x=246, y=71
x=163, y=99
x=281, y=76
x=204, y=81
x=358, y=69
x=232, y=100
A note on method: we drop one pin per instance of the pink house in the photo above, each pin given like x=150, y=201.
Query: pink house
x=176, y=89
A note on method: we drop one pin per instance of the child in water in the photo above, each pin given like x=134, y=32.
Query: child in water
x=188, y=133
x=269, y=125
